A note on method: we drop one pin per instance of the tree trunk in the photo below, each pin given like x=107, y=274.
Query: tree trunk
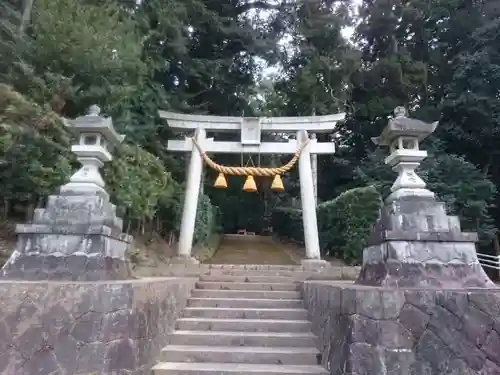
x=158, y=225
x=25, y=20
x=5, y=208
x=486, y=167
x=30, y=209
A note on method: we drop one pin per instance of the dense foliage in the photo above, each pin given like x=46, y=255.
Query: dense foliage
x=287, y=224
x=34, y=151
x=206, y=221
x=440, y=59
x=37, y=142
x=344, y=223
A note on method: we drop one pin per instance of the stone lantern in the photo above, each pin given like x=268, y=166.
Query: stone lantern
x=415, y=243
x=78, y=235
x=95, y=139
x=403, y=135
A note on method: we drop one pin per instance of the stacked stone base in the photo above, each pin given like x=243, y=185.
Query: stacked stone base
x=73, y=267
x=77, y=237
x=406, y=331
x=403, y=275
x=416, y=244
x=63, y=328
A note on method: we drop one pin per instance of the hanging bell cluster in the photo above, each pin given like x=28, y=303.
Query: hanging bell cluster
x=250, y=186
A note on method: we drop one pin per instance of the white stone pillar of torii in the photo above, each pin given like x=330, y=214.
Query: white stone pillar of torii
x=250, y=129
x=314, y=168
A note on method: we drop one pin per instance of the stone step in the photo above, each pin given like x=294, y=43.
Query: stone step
x=247, y=279
x=179, y=368
x=238, y=339
x=256, y=303
x=256, y=267
x=253, y=294
x=241, y=354
x=296, y=275
x=243, y=325
x=245, y=313
x=247, y=286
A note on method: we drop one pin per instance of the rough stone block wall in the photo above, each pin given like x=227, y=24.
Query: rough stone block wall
x=369, y=330
x=65, y=328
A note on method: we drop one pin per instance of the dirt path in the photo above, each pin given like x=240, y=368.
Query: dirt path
x=250, y=250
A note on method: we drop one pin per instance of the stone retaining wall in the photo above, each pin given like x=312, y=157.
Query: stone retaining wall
x=64, y=328
x=369, y=330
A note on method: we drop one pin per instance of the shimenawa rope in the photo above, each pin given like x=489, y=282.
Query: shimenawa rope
x=250, y=171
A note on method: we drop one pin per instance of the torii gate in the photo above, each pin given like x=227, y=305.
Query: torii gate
x=250, y=129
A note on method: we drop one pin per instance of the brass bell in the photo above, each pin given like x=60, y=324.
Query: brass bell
x=220, y=182
x=277, y=184
x=250, y=186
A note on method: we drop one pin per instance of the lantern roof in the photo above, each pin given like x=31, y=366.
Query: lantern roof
x=92, y=122
x=401, y=125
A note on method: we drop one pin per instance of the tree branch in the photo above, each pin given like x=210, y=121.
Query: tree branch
x=258, y=4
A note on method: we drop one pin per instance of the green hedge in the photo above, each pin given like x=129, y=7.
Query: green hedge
x=207, y=221
x=344, y=223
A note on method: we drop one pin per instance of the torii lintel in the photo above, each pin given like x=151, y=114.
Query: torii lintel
x=316, y=124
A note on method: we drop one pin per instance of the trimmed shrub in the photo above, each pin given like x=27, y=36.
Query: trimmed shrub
x=206, y=221
x=344, y=223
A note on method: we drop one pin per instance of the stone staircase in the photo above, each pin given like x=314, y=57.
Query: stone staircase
x=245, y=322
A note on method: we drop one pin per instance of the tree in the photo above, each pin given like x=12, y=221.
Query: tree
x=316, y=66
x=387, y=77
x=34, y=151
x=139, y=182
x=471, y=112
x=318, y=60
x=76, y=55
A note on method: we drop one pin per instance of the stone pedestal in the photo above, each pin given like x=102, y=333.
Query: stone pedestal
x=76, y=237
x=416, y=244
